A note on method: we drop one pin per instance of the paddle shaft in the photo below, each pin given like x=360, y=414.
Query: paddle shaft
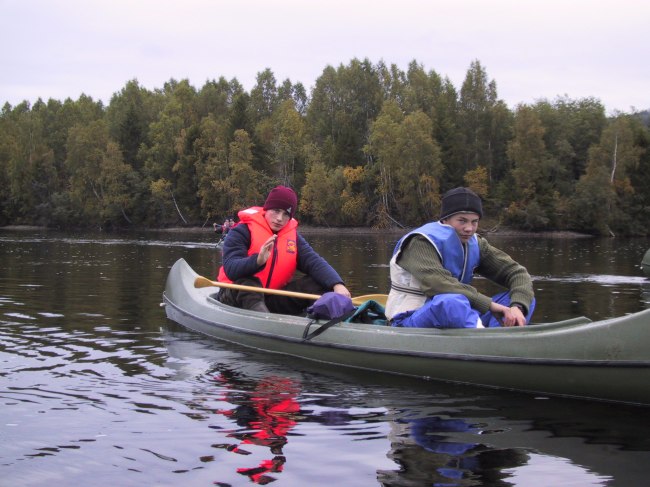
x=205, y=282
x=201, y=281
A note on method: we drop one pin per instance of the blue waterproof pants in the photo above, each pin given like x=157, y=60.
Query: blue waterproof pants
x=453, y=311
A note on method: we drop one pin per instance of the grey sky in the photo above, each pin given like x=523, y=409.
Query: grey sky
x=532, y=49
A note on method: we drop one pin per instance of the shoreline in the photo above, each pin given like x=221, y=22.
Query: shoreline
x=310, y=230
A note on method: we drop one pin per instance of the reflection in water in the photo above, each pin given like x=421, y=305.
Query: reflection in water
x=452, y=451
x=265, y=416
x=465, y=440
x=605, y=280
x=429, y=455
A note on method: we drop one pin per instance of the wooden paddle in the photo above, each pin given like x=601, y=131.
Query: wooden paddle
x=201, y=281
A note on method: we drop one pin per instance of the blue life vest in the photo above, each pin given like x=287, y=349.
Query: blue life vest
x=449, y=247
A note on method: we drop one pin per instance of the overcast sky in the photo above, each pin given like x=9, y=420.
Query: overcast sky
x=533, y=49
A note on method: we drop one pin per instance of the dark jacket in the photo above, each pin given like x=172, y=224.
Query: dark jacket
x=238, y=264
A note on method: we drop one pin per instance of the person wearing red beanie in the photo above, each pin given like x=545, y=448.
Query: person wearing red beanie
x=265, y=250
x=282, y=197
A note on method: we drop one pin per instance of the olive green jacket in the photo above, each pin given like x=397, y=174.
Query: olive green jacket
x=420, y=258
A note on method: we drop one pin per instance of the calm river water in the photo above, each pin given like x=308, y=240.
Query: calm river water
x=99, y=388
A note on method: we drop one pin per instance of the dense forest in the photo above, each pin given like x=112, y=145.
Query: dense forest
x=371, y=145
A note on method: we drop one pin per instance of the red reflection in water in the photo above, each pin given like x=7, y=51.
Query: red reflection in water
x=268, y=413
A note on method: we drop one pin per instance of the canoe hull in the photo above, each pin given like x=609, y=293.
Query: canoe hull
x=604, y=360
x=645, y=263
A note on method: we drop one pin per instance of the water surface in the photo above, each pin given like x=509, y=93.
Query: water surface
x=99, y=388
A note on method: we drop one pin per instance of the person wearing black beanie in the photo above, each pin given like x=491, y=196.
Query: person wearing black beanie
x=460, y=200
x=264, y=249
x=433, y=266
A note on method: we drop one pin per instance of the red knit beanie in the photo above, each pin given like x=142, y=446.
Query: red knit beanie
x=283, y=198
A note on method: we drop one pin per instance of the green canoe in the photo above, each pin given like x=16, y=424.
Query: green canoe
x=645, y=263
x=604, y=360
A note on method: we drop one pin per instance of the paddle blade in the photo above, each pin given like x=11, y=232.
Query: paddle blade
x=201, y=281
x=380, y=298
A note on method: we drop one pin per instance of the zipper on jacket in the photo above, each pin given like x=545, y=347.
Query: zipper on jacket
x=273, y=260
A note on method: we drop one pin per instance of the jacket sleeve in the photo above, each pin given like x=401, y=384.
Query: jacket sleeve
x=420, y=258
x=315, y=266
x=499, y=267
x=236, y=261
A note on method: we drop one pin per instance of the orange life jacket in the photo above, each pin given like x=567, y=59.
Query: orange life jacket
x=283, y=261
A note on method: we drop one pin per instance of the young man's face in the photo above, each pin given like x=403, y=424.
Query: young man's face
x=277, y=218
x=465, y=224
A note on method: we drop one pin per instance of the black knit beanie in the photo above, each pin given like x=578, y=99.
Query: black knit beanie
x=460, y=200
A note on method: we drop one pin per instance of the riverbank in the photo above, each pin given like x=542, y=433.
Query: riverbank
x=310, y=230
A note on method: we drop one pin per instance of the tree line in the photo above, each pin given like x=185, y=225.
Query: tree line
x=370, y=145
